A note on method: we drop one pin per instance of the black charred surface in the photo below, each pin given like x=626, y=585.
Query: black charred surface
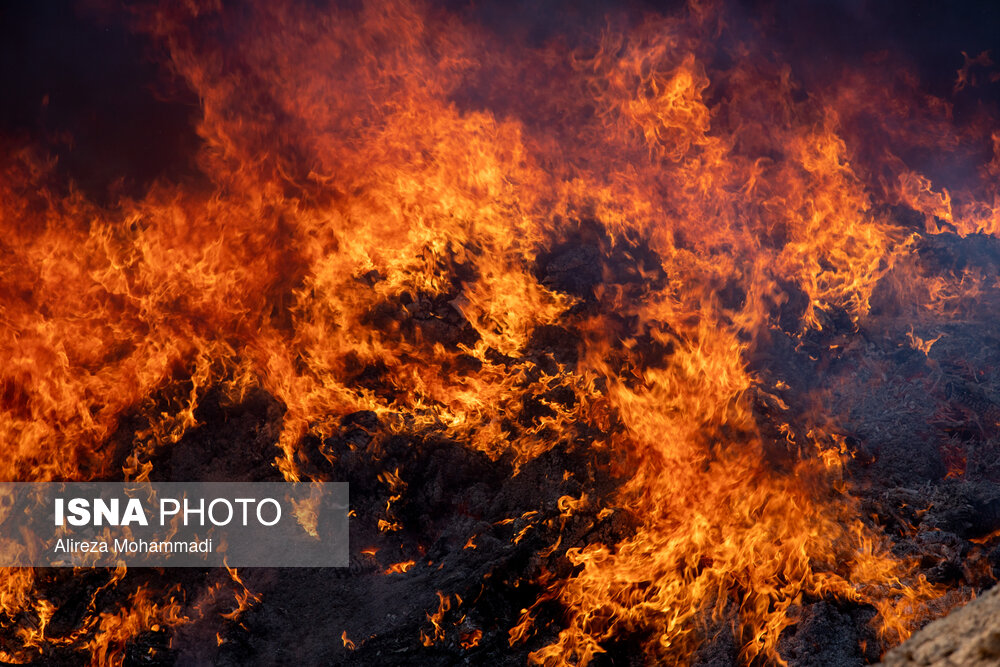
x=828, y=636
x=586, y=264
x=922, y=429
x=450, y=522
x=472, y=528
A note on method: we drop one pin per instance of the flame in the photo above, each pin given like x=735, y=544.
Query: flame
x=307, y=513
x=436, y=619
x=141, y=614
x=404, y=566
x=471, y=639
x=384, y=185
x=245, y=598
x=918, y=343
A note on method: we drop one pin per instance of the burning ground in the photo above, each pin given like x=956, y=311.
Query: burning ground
x=637, y=342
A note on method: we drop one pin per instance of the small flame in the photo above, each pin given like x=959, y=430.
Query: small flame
x=404, y=566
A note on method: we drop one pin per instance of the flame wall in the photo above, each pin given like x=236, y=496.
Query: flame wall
x=403, y=209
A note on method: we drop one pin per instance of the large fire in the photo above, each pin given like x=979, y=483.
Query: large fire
x=639, y=246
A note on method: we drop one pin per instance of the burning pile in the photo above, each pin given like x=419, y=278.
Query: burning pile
x=630, y=346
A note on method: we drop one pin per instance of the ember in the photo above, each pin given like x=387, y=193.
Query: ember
x=642, y=335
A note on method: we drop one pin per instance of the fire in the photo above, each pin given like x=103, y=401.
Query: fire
x=245, y=598
x=141, y=614
x=397, y=203
x=436, y=619
x=404, y=566
x=471, y=639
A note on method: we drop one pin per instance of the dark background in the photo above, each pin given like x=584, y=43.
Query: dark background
x=79, y=84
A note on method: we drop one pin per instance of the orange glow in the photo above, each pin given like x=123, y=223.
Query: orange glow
x=414, y=172
x=471, y=639
x=404, y=566
x=244, y=597
x=436, y=619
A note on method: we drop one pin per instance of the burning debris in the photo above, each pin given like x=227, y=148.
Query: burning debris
x=634, y=346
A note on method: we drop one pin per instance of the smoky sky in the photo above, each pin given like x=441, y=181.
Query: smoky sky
x=79, y=84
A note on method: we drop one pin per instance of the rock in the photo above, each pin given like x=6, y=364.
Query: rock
x=968, y=637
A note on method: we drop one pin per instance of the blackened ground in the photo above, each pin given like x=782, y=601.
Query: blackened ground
x=451, y=521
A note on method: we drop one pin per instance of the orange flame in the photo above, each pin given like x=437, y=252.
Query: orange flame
x=394, y=222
